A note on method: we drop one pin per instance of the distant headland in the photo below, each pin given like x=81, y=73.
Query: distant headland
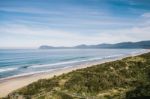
x=122, y=45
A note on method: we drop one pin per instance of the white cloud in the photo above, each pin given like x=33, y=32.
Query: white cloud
x=38, y=35
x=30, y=10
x=146, y=15
x=138, y=32
x=41, y=35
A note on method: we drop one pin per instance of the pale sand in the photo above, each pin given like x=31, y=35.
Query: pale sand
x=10, y=84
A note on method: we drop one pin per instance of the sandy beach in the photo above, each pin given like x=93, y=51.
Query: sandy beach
x=10, y=84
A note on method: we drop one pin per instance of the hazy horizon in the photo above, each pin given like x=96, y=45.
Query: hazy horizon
x=31, y=23
x=37, y=47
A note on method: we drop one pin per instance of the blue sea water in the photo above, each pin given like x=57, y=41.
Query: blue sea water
x=14, y=62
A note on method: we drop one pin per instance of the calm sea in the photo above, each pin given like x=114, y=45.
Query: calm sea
x=22, y=62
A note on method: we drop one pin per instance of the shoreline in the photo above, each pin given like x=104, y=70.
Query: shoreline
x=10, y=84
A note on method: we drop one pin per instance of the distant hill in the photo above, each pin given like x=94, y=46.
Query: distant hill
x=141, y=44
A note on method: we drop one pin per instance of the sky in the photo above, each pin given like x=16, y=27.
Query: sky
x=31, y=23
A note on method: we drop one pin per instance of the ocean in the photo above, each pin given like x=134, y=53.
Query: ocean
x=18, y=62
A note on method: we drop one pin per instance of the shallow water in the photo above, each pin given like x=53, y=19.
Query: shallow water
x=16, y=62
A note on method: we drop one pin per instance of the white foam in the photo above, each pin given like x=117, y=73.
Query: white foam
x=7, y=69
x=27, y=74
x=75, y=61
x=62, y=63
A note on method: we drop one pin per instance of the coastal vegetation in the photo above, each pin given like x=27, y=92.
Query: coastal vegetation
x=120, y=79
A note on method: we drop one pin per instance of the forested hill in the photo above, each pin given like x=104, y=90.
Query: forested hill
x=121, y=79
x=129, y=45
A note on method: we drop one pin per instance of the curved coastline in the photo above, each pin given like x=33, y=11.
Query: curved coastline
x=12, y=83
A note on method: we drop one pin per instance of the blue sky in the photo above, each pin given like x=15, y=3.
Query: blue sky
x=31, y=23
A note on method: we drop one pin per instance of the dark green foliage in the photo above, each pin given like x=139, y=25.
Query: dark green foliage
x=64, y=96
x=140, y=91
